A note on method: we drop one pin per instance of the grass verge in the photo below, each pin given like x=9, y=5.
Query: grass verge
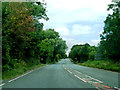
x=7, y=75
x=102, y=64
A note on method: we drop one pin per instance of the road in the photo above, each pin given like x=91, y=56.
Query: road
x=65, y=74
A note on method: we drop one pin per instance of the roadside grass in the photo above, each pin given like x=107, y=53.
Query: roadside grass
x=7, y=75
x=102, y=64
x=22, y=68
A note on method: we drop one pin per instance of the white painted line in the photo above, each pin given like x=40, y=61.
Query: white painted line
x=15, y=78
x=98, y=88
x=21, y=76
x=69, y=71
x=79, y=78
x=2, y=84
x=86, y=75
x=117, y=88
x=94, y=79
x=78, y=72
x=25, y=74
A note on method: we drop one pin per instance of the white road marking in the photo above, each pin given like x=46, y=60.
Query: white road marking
x=95, y=79
x=69, y=71
x=79, y=78
x=84, y=75
x=77, y=71
x=15, y=78
x=117, y=88
x=20, y=76
x=2, y=84
x=98, y=88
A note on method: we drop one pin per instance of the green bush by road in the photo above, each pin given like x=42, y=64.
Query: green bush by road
x=6, y=75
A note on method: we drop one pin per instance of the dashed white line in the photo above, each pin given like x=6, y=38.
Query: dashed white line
x=95, y=79
x=83, y=74
x=77, y=71
x=117, y=88
x=69, y=71
x=98, y=88
x=2, y=84
x=79, y=78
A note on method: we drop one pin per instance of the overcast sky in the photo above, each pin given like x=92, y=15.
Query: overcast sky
x=77, y=21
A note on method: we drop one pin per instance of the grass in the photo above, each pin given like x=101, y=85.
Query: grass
x=18, y=71
x=102, y=64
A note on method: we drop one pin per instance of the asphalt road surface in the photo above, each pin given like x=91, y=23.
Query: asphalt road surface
x=65, y=74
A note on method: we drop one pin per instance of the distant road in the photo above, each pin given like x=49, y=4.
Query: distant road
x=65, y=74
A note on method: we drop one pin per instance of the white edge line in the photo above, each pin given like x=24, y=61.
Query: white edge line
x=79, y=78
x=2, y=84
x=20, y=76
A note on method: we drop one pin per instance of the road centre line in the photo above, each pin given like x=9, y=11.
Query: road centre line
x=90, y=77
x=92, y=82
x=98, y=88
x=77, y=71
x=117, y=88
x=94, y=79
x=69, y=71
x=85, y=75
x=2, y=84
x=79, y=78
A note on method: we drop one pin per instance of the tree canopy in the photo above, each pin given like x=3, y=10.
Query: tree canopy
x=81, y=53
x=23, y=37
x=110, y=38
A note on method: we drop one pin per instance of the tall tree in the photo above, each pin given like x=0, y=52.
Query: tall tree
x=110, y=38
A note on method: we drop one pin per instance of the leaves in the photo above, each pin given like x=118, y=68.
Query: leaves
x=110, y=39
x=24, y=39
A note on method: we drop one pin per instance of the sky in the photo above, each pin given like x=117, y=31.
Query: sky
x=77, y=21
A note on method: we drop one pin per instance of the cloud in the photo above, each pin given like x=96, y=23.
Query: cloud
x=62, y=31
x=70, y=42
x=79, y=29
x=94, y=42
x=69, y=5
x=77, y=21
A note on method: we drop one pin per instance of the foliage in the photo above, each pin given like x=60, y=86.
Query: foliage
x=81, y=53
x=110, y=38
x=23, y=37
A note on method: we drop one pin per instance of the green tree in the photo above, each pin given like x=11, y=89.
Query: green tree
x=80, y=53
x=110, y=38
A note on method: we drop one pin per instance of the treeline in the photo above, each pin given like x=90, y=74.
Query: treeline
x=109, y=46
x=24, y=42
x=82, y=53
